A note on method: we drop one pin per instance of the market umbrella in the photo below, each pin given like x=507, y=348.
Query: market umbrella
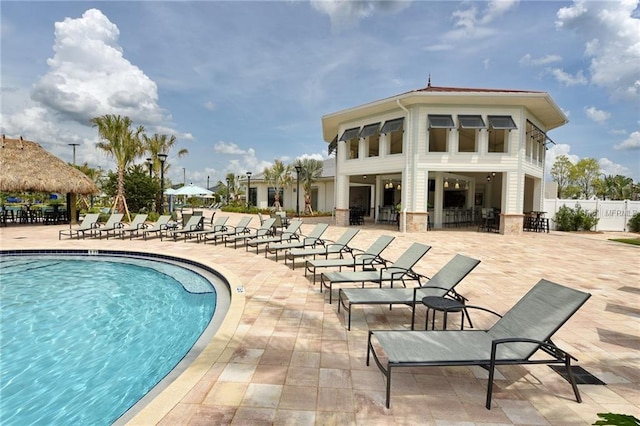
x=27, y=167
x=193, y=191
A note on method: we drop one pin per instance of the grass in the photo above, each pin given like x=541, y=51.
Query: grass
x=632, y=241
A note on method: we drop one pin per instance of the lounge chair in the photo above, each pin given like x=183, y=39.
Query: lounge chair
x=441, y=285
x=193, y=224
x=216, y=226
x=400, y=270
x=240, y=228
x=155, y=228
x=89, y=224
x=137, y=223
x=113, y=224
x=523, y=331
x=338, y=247
x=366, y=259
x=264, y=229
x=312, y=239
x=289, y=234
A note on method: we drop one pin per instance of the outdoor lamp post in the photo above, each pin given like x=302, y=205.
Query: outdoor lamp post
x=228, y=191
x=162, y=158
x=207, y=182
x=248, y=189
x=74, y=151
x=298, y=168
x=150, y=164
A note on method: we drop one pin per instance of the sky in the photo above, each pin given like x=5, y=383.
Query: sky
x=243, y=83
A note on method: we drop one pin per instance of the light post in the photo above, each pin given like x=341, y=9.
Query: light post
x=228, y=191
x=248, y=189
x=298, y=168
x=207, y=182
x=150, y=164
x=184, y=176
x=74, y=151
x=162, y=158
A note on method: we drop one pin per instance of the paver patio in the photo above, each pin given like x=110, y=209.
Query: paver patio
x=284, y=356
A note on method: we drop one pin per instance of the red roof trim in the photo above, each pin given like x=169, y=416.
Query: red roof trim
x=468, y=90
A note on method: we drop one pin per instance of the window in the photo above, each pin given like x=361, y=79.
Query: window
x=351, y=137
x=393, y=130
x=439, y=126
x=272, y=196
x=371, y=133
x=500, y=125
x=470, y=125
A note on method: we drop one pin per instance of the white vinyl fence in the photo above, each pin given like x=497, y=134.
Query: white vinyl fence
x=612, y=215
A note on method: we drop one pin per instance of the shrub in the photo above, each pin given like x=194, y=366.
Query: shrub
x=634, y=223
x=568, y=219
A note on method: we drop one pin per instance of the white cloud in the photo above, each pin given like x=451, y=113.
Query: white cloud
x=608, y=167
x=567, y=79
x=228, y=148
x=612, y=42
x=544, y=60
x=632, y=142
x=210, y=106
x=312, y=157
x=88, y=75
x=597, y=115
x=344, y=13
x=473, y=22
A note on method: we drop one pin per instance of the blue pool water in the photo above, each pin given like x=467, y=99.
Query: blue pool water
x=84, y=338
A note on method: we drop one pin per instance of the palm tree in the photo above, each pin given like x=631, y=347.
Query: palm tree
x=122, y=144
x=310, y=172
x=234, y=187
x=278, y=176
x=95, y=175
x=160, y=144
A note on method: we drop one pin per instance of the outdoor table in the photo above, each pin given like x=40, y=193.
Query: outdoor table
x=445, y=305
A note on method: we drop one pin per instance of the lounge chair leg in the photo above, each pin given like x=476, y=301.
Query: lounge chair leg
x=572, y=380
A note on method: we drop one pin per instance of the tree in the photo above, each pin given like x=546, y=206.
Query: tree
x=140, y=189
x=311, y=171
x=278, y=176
x=234, y=191
x=122, y=144
x=585, y=175
x=160, y=144
x=615, y=187
x=561, y=174
x=95, y=175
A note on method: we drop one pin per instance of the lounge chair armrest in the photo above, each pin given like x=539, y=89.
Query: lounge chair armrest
x=546, y=346
x=312, y=241
x=119, y=225
x=480, y=308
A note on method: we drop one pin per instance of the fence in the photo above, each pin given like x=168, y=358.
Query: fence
x=612, y=215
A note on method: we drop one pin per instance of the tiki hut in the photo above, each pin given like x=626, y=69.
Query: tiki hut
x=27, y=167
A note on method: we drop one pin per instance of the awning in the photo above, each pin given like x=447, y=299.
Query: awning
x=438, y=121
x=471, y=122
x=391, y=126
x=350, y=134
x=501, y=122
x=369, y=130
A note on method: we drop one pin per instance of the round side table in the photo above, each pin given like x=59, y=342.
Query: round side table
x=445, y=305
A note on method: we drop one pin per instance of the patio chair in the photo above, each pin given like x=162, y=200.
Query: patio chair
x=153, y=228
x=523, y=331
x=264, y=229
x=216, y=225
x=240, y=228
x=193, y=224
x=312, y=239
x=338, y=247
x=289, y=234
x=441, y=285
x=400, y=270
x=137, y=223
x=88, y=224
x=367, y=259
x=113, y=223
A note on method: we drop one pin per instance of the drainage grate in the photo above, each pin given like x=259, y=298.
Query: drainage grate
x=581, y=376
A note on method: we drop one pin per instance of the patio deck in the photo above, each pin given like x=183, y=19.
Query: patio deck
x=284, y=356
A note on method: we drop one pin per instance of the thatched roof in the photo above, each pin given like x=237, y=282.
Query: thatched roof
x=25, y=166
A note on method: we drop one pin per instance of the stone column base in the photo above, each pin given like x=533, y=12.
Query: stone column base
x=511, y=224
x=416, y=221
x=342, y=217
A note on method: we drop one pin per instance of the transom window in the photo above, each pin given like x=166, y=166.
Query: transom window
x=471, y=122
x=439, y=121
x=501, y=122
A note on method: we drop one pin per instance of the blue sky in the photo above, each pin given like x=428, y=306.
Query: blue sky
x=241, y=83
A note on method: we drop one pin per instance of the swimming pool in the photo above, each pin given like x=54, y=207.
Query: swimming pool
x=87, y=334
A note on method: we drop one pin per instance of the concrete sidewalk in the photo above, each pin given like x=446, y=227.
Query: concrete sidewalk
x=284, y=355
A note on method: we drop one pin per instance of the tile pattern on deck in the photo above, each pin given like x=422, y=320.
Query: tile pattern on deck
x=288, y=358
